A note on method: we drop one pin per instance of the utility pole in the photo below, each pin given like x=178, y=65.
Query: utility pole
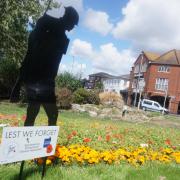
x=137, y=84
x=139, y=99
x=165, y=99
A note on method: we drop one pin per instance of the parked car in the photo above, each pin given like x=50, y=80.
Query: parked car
x=150, y=105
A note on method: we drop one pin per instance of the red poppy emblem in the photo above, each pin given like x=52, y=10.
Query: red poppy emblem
x=49, y=148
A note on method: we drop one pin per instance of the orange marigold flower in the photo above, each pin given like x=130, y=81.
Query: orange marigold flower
x=173, y=147
x=87, y=140
x=168, y=141
x=108, y=137
x=39, y=161
x=99, y=138
x=23, y=117
x=74, y=133
x=52, y=158
x=69, y=136
x=16, y=123
x=150, y=142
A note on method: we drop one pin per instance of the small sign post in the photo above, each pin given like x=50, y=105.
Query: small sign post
x=141, y=88
x=25, y=143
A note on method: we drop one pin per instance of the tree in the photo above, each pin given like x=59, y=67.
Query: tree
x=14, y=15
x=8, y=74
x=69, y=81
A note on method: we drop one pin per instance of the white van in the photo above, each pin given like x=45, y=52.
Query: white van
x=147, y=104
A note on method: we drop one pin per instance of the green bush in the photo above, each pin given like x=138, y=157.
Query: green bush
x=64, y=98
x=69, y=81
x=80, y=96
x=83, y=96
x=8, y=75
x=93, y=97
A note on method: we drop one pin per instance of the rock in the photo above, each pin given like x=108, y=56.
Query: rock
x=113, y=112
x=93, y=114
x=77, y=107
x=102, y=115
x=90, y=107
x=116, y=111
x=106, y=111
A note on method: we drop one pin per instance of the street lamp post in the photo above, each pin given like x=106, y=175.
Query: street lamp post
x=165, y=100
x=137, y=84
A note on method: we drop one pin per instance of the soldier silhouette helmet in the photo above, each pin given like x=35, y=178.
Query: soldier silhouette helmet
x=71, y=17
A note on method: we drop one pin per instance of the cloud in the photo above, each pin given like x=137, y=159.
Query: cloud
x=75, y=68
x=98, y=21
x=81, y=49
x=108, y=58
x=150, y=24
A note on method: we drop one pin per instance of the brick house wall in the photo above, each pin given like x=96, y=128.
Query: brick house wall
x=150, y=76
x=173, y=91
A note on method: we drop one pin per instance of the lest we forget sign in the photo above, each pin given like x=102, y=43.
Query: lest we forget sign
x=25, y=143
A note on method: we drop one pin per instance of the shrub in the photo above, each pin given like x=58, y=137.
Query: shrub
x=93, y=97
x=64, y=98
x=8, y=75
x=69, y=81
x=80, y=96
x=111, y=98
x=83, y=96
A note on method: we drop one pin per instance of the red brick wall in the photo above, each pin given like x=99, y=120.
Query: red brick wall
x=174, y=80
x=173, y=86
x=150, y=79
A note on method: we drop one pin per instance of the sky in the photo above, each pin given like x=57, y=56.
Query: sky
x=111, y=34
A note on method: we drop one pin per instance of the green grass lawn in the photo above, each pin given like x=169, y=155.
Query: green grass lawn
x=121, y=134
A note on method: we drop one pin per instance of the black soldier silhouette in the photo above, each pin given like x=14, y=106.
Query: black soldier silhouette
x=46, y=45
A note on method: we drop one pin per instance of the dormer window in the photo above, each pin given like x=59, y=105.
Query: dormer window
x=163, y=68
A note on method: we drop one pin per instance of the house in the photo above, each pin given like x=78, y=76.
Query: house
x=110, y=83
x=157, y=77
x=116, y=83
x=94, y=79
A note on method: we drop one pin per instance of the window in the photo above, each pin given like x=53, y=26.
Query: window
x=136, y=68
x=148, y=102
x=144, y=67
x=163, y=69
x=161, y=84
x=157, y=105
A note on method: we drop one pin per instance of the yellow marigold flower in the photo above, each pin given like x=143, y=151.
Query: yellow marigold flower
x=141, y=159
x=109, y=161
x=177, y=159
x=48, y=162
x=66, y=159
x=167, y=151
x=79, y=159
x=86, y=156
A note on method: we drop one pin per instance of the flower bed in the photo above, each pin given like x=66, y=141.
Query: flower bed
x=85, y=155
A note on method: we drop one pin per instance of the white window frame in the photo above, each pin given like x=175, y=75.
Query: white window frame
x=161, y=84
x=163, y=68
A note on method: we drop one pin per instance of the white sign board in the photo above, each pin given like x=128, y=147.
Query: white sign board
x=25, y=143
x=141, y=85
